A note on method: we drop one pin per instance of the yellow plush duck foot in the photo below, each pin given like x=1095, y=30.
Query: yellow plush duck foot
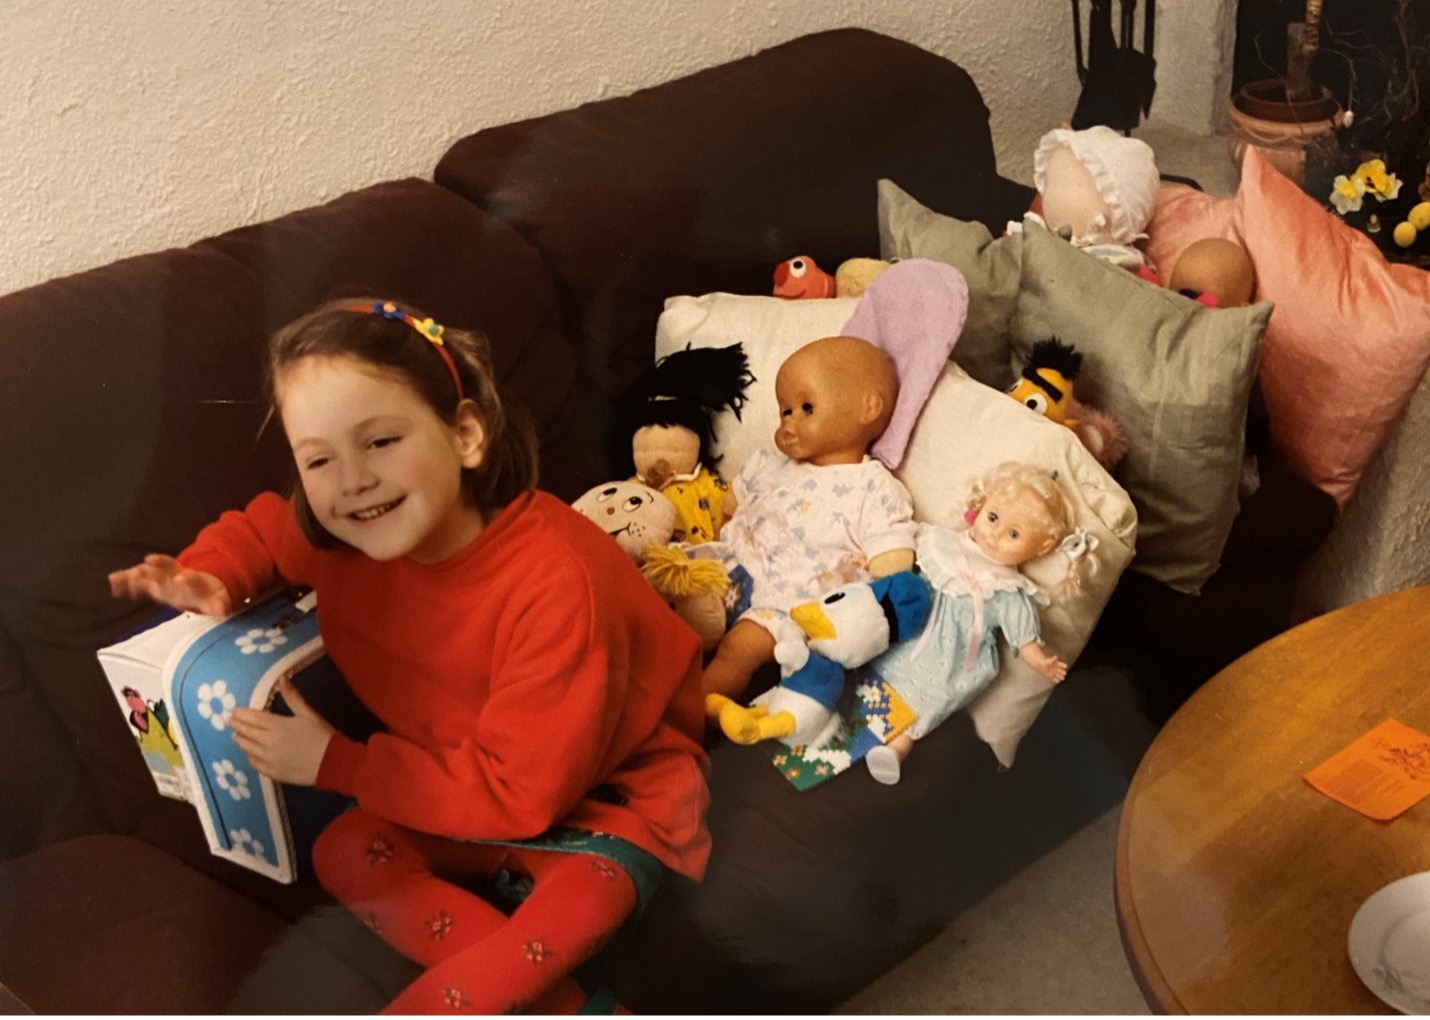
x=751, y=725
x=714, y=703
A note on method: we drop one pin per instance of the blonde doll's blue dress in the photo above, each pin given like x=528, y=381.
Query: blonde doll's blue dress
x=956, y=657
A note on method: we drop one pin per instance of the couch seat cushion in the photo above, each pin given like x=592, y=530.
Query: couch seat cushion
x=110, y=920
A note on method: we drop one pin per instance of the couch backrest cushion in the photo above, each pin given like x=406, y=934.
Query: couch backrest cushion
x=708, y=182
x=130, y=408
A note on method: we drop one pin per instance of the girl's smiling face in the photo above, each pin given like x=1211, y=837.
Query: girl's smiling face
x=382, y=472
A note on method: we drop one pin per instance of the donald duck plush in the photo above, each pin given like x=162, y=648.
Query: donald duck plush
x=846, y=628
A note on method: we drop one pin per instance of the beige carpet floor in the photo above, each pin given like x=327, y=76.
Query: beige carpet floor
x=1045, y=942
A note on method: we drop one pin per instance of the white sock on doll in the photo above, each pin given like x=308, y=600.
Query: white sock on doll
x=883, y=762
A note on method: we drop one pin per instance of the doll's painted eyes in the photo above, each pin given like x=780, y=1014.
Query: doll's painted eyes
x=1037, y=402
x=807, y=408
x=834, y=598
x=797, y=268
x=606, y=494
x=633, y=504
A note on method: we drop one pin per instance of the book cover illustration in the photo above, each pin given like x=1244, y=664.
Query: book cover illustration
x=135, y=668
x=153, y=729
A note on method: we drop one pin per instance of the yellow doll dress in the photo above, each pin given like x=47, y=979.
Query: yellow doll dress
x=699, y=506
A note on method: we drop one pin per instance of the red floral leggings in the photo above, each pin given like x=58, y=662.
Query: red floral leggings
x=400, y=884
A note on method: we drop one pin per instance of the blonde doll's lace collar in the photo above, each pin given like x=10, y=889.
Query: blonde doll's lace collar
x=955, y=565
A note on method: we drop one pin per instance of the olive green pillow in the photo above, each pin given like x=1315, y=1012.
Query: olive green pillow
x=1175, y=374
x=909, y=230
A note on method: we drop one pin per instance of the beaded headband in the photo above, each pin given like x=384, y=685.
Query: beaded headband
x=429, y=330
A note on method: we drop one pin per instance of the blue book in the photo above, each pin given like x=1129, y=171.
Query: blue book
x=178, y=681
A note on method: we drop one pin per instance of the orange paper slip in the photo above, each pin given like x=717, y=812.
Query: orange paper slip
x=1381, y=775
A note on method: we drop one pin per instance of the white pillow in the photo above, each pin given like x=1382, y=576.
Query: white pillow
x=771, y=329
x=965, y=429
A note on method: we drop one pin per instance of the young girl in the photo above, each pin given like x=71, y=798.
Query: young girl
x=1014, y=514
x=543, y=705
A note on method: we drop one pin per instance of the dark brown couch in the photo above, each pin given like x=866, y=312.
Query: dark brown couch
x=130, y=413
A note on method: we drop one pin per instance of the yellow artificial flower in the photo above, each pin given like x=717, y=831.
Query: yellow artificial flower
x=1347, y=192
x=429, y=329
x=1383, y=185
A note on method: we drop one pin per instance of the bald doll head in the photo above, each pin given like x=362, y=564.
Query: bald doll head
x=836, y=397
x=1217, y=266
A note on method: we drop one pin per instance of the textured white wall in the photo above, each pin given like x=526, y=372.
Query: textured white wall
x=134, y=125
x=1195, y=44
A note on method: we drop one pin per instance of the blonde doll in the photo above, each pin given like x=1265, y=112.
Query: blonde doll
x=1014, y=514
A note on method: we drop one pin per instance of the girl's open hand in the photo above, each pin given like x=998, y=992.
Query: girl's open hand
x=288, y=749
x=163, y=579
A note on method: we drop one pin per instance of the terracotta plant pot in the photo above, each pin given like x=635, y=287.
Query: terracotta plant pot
x=1260, y=115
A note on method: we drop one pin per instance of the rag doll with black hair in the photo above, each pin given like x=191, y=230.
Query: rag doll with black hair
x=668, y=416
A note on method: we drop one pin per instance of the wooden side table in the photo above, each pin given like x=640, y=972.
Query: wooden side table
x=1236, y=881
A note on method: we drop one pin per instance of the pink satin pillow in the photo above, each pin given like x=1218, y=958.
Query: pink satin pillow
x=1180, y=216
x=1350, y=336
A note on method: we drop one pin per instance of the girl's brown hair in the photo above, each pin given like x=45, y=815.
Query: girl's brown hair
x=348, y=328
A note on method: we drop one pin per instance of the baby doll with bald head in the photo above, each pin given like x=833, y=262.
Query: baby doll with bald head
x=814, y=514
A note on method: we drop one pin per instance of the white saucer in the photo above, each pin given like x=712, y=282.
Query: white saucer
x=1389, y=943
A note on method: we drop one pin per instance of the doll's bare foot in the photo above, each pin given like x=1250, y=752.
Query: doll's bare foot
x=753, y=724
x=745, y=648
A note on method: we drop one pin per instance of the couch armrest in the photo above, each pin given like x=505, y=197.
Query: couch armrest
x=1250, y=599
x=35, y=813
x=1281, y=523
x=1382, y=541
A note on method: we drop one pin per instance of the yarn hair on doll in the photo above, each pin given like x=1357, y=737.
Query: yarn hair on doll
x=685, y=390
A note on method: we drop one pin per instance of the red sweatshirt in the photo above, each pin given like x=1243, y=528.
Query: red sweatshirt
x=515, y=677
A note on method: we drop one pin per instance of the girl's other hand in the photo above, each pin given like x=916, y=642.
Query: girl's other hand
x=288, y=749
x=163, y=579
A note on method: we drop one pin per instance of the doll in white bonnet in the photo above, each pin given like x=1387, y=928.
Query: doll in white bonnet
x=1097, y=188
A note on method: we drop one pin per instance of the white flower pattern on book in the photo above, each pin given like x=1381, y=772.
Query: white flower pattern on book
x=259, y=640
x=244, y=843
x=216, y=701
x=229, y=777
